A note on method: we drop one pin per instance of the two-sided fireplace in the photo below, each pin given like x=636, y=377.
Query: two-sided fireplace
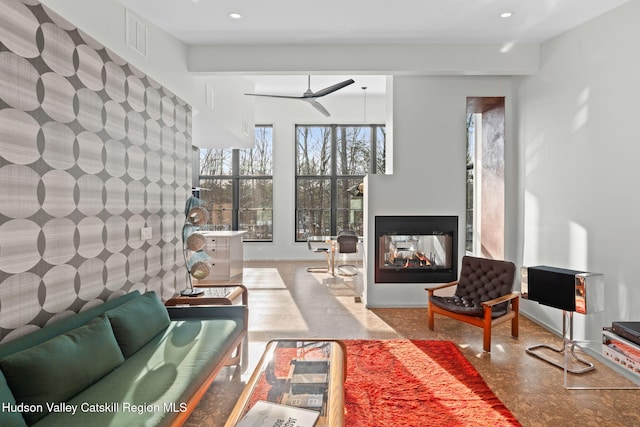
x=416, y=249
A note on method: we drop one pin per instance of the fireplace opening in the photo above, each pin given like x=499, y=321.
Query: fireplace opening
x=416, y=249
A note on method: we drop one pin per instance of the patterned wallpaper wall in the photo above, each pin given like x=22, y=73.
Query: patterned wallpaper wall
x=91, y=151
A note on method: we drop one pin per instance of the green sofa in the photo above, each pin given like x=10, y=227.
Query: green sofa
x=128, y=362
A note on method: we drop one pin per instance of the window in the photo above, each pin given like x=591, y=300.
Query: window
x=485, y=177
x=331, y=161
x=472, y=240
x=237, y=186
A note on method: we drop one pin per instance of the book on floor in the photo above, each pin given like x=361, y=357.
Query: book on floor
x=268, y=414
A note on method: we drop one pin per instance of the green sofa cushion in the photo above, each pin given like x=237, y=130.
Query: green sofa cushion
x=152, y=386
x=60, y=368
x=136, y=322
x=62, y=326
x=9, y=417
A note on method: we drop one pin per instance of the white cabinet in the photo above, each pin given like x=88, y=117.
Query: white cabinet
x=225, y=250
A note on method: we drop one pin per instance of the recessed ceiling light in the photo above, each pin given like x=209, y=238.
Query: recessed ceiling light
x=235, y=15
x=506, y=15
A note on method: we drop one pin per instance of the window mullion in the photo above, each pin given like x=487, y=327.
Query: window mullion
x=235, y=171
x=374, y=150
x=334, y=179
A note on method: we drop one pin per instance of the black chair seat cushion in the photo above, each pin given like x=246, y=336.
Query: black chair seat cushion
x=466, y=306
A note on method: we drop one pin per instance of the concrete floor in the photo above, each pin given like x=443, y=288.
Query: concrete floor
x=287, y=301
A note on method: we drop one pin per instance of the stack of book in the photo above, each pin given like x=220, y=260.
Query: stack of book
x=308, y=380
x=621, y=344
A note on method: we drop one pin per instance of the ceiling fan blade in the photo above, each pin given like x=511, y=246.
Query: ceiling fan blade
x=331, y=89
x=315, y=104
x=275, y=96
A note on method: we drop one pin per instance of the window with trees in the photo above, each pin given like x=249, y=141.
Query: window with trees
x=331, y=162
x=237, y=186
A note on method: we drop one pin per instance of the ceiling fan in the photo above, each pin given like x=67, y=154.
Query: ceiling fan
x=311, y=96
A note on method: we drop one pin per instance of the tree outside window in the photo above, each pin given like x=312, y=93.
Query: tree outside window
x=331, y=161
x=237, y=186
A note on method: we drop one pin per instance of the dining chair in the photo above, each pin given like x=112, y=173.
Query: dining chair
x=347, y=243
x=319, y=250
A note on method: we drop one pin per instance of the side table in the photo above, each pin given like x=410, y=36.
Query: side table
x=223, y=294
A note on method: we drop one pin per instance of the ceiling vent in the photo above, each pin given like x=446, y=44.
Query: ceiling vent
x=136, y=34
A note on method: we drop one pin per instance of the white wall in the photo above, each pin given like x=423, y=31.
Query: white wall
x=578, y=132
x=166, y=62
x=284, y=115
x=429, y=134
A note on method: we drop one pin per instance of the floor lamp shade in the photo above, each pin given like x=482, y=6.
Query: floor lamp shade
x=196, y=242
x=195, y=211
x=197, y=261
x=199, y=265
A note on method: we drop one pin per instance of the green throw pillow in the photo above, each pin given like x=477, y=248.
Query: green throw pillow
x=9, y=416
x=61, y=367
x=136, y=322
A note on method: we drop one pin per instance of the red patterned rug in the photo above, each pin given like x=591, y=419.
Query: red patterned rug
x=416, y=384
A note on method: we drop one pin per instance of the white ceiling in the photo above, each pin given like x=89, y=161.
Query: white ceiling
x=207, y=22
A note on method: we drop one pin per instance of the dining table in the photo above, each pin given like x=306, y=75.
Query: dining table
x=332, y=243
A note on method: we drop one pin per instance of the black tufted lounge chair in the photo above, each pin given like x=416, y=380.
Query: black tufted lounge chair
x=484, y=296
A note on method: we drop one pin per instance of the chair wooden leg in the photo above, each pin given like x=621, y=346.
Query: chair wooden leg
x=514, y=327
x=515, y=306
x=486, y=341
x=430, y=322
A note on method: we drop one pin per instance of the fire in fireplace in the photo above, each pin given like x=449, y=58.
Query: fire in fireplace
x=416, y=249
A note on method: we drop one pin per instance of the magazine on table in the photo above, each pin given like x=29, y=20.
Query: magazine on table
x=268, y=414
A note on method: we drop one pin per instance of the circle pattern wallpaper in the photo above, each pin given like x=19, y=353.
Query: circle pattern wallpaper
x=91, y=151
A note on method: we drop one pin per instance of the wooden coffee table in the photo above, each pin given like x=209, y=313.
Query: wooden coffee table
x=276, y=379
x=213, y=295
